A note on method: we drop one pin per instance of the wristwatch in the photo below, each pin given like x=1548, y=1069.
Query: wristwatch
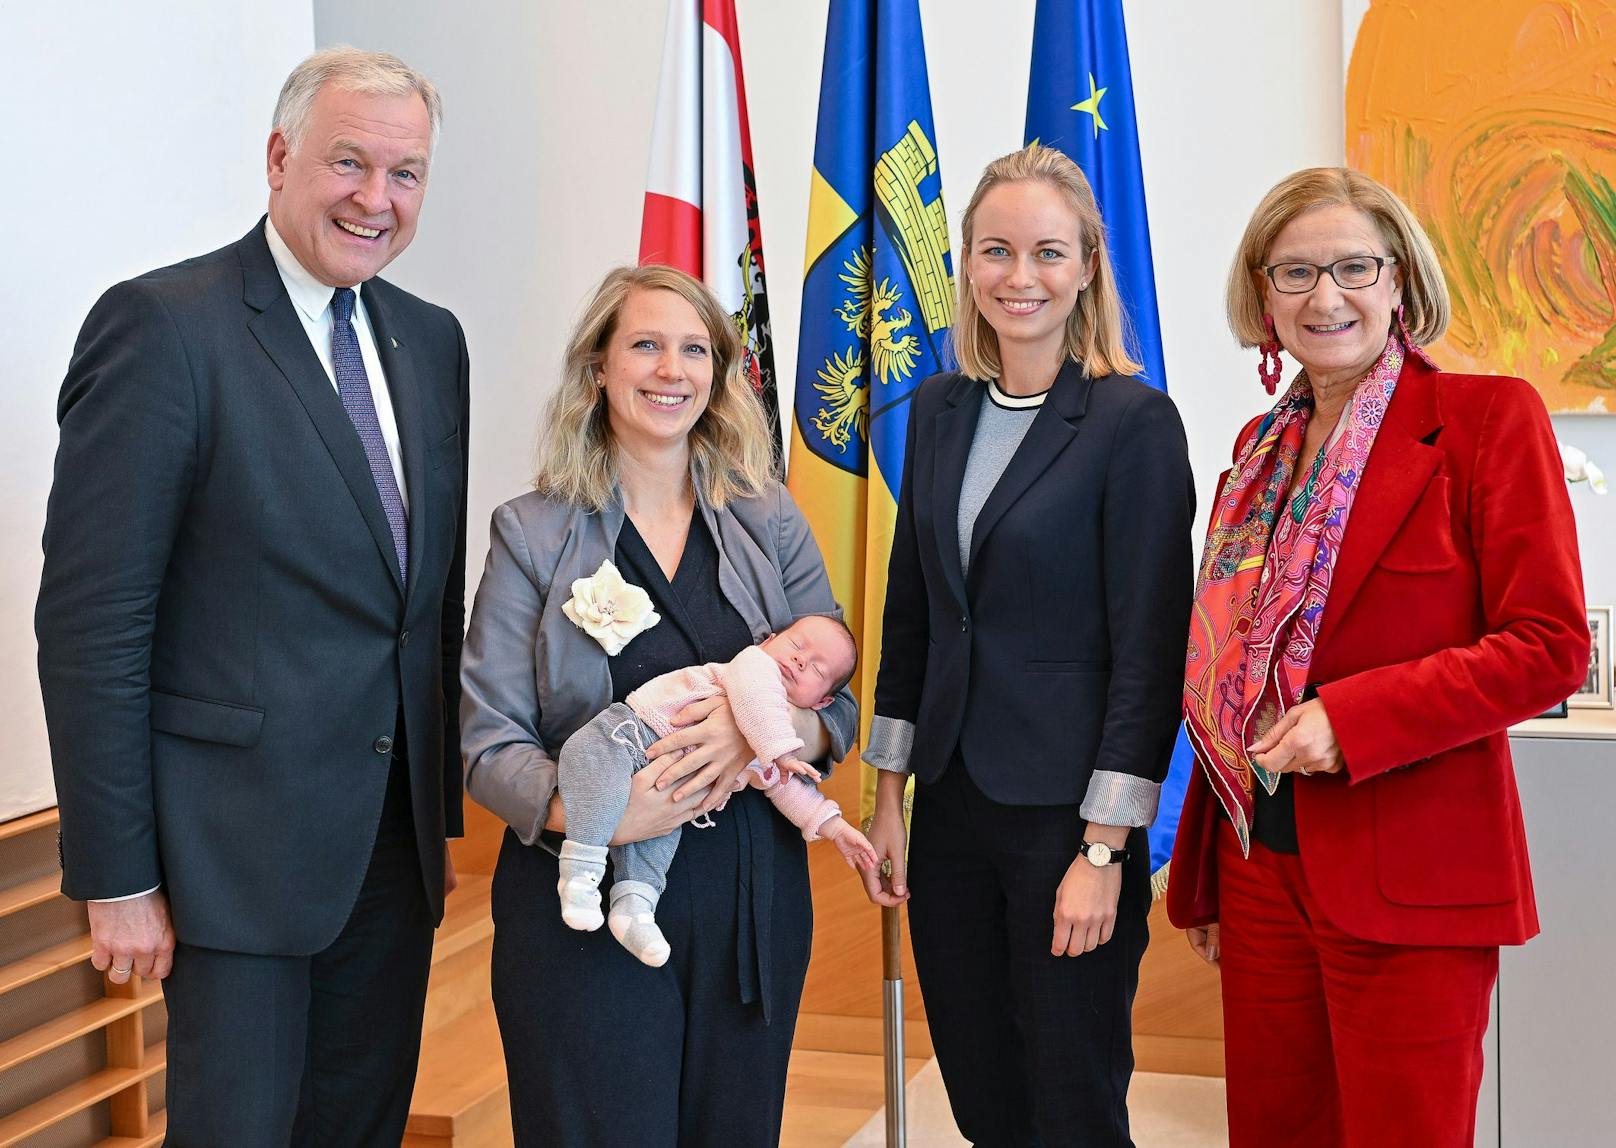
x=1099, y=854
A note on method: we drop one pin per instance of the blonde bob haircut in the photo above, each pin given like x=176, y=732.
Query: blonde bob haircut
x=729, y=445
x=1426, y=309
x=1097, y=335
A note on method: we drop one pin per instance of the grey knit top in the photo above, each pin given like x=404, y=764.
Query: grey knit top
x=1000, y=428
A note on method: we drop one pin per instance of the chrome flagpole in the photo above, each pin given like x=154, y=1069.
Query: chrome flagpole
x=892, y=1018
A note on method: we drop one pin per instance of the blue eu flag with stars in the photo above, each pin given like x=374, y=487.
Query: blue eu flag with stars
x=1080, y=100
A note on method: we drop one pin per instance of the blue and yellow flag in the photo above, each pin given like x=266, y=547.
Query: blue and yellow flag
x=877, y=302
x=1080, y=100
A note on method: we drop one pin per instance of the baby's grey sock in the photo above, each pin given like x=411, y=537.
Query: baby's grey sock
x=632, y=920
x=581, y=868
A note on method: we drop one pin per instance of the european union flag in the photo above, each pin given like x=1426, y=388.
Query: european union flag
x=1080, y=100
x=877, y=299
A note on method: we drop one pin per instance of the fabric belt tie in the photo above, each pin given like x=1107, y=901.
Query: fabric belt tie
x=754, y=904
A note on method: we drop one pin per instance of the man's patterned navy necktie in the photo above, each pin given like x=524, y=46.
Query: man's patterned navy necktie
x=354, y=387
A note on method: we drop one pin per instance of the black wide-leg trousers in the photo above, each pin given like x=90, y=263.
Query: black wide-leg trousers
x=1036, y=1050
x=604, y=1052
x=311, y=1052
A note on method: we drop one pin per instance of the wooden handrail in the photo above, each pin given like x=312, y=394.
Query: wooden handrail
x=71, y=1025
x=30, y=893
x=79, y=1095
x=29, y=822
x=27, y=970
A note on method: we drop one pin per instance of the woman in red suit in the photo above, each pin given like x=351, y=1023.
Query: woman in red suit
x=1390, y=580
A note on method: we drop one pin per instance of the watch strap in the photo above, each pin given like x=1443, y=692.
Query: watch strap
x=1117, y=855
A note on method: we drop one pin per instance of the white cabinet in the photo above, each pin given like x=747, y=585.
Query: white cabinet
x=1551, y=1068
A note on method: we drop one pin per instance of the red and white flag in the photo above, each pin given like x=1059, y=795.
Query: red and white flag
x=701, y=210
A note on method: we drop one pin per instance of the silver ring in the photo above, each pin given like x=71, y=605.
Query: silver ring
x=126, y=971
x=1305, y=771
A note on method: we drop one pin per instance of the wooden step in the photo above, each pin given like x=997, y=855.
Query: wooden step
x=17, y=826
x=30, y=893
x=78, y=1096
x=467, y=918
x=460, y=1094
x=156, y=1128
x=71, y=1025
x=43, y=963
x=461, y=955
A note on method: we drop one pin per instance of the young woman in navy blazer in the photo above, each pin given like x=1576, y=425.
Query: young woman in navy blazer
x=1037, y=603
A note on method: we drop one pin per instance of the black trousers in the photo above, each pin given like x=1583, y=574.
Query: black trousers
x=312, y=1052
x=1035, y=1050
x=605, y=1052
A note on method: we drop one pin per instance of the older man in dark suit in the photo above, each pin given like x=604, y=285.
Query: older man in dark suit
x=250, y=625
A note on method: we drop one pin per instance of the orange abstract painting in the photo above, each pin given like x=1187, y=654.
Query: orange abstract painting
x=1496, y=121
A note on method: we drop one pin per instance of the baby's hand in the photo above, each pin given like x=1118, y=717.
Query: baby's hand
x=788, y=764
x=853, y=845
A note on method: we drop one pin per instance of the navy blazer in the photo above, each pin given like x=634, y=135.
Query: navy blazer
x=1062, y=654
x=225, y=644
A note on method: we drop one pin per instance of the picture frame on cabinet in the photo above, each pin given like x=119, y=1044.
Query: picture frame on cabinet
x=1595, y=693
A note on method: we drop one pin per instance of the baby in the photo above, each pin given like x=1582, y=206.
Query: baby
x=801, y=666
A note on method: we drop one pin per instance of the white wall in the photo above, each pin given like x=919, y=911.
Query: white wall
x=134, y=137
x=1596, y=516
x=538, y=182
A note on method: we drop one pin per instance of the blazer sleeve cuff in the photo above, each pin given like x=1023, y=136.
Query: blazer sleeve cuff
x=517, y=791
x=1120, y=799
x=891, y=740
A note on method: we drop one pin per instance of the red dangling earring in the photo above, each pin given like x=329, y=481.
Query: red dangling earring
x=1268, y=369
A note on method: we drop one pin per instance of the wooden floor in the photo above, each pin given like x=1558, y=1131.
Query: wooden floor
x=830, y=1095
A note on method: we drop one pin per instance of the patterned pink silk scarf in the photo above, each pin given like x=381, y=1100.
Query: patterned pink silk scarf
x=1265, y=578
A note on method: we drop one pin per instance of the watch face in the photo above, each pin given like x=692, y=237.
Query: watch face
x=1099, y=854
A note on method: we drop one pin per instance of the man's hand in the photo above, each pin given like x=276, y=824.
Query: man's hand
x=133, y=936
x=1303, y=741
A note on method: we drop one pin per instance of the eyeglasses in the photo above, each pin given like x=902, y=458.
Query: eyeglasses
x=1350, y=274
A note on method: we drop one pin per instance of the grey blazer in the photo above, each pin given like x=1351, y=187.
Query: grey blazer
x=530, y=678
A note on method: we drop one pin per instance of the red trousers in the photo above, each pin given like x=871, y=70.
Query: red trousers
x=1336, y=1042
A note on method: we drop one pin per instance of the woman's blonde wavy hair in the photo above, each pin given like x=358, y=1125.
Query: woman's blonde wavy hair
x=1097, y=334
x=1426, y=307
x=729, y=445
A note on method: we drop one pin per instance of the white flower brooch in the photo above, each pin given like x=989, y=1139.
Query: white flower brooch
x=610, y=610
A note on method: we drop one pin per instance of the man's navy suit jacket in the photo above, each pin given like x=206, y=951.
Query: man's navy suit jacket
x=225, y=645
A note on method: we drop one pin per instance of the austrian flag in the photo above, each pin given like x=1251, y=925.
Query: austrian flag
x=701, y=211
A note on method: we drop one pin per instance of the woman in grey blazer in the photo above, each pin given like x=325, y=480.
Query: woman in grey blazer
x=655, y=459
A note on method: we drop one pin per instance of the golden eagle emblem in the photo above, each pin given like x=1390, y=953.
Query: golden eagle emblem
x=872, y=313
x=847, y=400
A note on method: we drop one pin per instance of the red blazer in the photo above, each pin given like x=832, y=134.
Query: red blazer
x=1456, y=610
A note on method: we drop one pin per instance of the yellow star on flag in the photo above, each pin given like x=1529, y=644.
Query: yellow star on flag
x=1092, y=106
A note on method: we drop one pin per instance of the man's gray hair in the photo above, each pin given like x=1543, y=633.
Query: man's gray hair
x=352, y=70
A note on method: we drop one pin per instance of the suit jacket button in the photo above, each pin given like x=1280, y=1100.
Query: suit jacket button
x=383, y=744
x=404, y=639
x=964, y=624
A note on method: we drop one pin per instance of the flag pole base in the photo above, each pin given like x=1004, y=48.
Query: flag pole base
x=892, y=1028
